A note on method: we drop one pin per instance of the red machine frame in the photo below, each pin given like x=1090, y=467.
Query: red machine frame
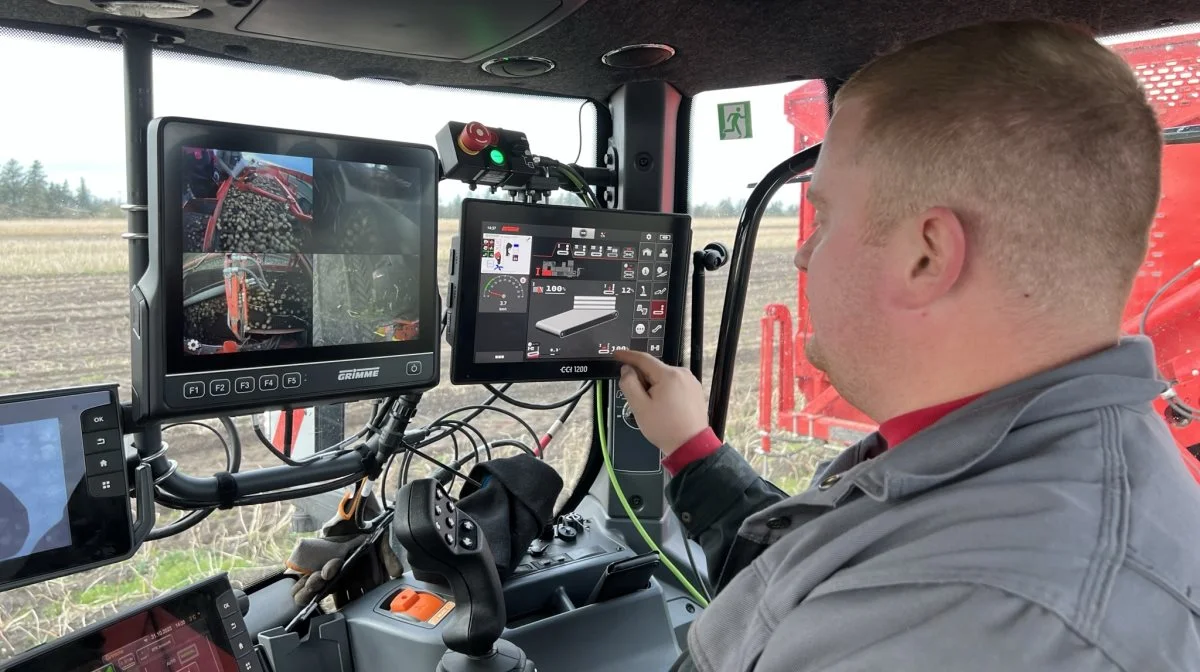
x=1169, y=69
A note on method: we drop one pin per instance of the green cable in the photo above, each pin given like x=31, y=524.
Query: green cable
x=612, y=477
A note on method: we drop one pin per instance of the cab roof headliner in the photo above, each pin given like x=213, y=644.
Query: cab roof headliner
x=719, y=43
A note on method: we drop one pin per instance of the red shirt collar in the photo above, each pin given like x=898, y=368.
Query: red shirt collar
x=902, y=427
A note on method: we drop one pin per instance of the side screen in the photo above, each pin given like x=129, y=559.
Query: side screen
x=572, y=293
x=64, y=503
x=548, y=292
x=198, y=629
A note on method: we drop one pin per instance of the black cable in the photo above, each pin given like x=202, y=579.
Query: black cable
x=421, y=454
x=531, y=406
x=587, y=187
x=579, y=116
x=502, y=411
x=460, y=426
x=287, y=432
x=475, y=414
x=454, y=440
x=233, y=462
x=505, y=443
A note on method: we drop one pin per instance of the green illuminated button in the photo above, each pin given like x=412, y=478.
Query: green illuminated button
x=497, y=156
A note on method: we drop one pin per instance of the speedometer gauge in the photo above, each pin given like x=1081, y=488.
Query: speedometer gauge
x=503, y=294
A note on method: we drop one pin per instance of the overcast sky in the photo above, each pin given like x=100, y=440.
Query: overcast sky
x=63, y=105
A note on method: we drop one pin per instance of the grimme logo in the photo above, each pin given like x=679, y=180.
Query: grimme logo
x=355, y=374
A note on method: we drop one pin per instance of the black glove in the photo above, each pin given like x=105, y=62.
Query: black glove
x=513, y=504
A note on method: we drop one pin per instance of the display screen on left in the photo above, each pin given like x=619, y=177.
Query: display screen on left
x=195, y=629
x=283, y=252
x=33, y=489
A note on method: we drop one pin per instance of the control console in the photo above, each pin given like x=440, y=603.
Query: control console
x=575, y=578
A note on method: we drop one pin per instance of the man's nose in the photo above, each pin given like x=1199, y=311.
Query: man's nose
x=803, y=254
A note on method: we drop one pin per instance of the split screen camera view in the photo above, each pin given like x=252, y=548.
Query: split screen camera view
x=293, y=252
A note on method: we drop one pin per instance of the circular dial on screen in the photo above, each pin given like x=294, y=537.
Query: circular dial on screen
x=503, y=294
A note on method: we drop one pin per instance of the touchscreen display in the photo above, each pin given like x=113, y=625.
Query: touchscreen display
x=33, y=489
x=570, y=293
x=283, y=252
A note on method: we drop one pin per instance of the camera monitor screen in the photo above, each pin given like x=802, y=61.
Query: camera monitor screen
x=550, y=292
x=64, y=502
x=285, y=267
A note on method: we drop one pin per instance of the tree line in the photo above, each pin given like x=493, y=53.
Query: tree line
x=28, y=193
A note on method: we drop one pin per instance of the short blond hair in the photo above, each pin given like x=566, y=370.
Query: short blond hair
x=1037, y=136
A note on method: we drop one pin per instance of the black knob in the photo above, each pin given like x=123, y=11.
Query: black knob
x=567, y=533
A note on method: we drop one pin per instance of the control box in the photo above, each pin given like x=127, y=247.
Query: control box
x=479, y=155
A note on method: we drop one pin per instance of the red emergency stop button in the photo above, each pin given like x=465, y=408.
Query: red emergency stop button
x=416, y=604
x=475, y=137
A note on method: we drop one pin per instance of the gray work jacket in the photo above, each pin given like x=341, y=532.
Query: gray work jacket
x=1048, y=525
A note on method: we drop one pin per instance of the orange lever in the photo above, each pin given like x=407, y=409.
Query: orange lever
x=416, y=604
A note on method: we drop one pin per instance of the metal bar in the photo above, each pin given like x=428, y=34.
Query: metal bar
x=696, y=351
x=739, y=277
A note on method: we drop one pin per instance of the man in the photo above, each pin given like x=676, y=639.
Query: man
x=983, y=200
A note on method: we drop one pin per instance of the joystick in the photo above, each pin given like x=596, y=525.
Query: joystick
x=441, y=539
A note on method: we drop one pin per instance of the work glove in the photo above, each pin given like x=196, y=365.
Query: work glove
x=317, y=561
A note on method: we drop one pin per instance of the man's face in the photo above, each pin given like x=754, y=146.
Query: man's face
x=843, y=282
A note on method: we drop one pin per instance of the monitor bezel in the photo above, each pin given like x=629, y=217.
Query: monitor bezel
x=464, y=370
x=173, y=134
x=108, y=520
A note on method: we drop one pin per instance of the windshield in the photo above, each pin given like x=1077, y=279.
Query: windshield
x=65, y=319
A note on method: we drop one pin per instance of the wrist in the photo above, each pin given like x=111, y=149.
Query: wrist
x=700, y=446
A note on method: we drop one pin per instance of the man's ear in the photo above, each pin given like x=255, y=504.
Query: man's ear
x=930, y=253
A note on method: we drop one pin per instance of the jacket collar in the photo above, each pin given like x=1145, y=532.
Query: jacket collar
x=1122, y=375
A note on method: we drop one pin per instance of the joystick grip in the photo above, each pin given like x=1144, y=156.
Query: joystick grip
x=443, y=540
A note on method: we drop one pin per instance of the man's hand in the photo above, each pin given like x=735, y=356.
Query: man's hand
x=668, y=401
